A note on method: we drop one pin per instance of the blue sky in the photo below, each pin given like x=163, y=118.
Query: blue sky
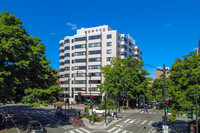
x=163, y=29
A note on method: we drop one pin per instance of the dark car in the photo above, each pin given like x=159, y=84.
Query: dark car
x=2, y=118
x=35, y=127
x=150, y=105
x=192, y=126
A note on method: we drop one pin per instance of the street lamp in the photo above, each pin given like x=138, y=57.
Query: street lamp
x=164, y=73
x=105, y=110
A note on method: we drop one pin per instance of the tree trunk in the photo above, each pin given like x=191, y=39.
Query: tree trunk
x=127, y=101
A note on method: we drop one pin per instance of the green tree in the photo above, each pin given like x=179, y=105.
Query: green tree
x=183, y=82
x=23, y=63
x=123, y=76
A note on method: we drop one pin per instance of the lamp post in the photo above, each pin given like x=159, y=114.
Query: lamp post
x=164, y=73
x=105, y=110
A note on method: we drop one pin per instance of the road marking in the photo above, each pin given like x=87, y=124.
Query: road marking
x=53, y=121
x=142, y=112
x=70, y=132
x=126, y=120
x=78, y=131
x=85, y=130
x=137, y=121
x=15, y=125
x=150, y=123
x=150, y=130
x=154, y=113
x=144, y=122
x=124, y=132
x=112, y=129
x=118, y=130
x=133, y=121
x=150, y=112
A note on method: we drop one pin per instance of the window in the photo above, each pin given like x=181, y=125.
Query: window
x=67, y=61
x=80, y=89
x=94, y=89
x=95, y=59
x=67, y=48
x=61, y=44
x=67, y=55
x=95, y=52
x=80, y=53
x=95, y=81
x=80, y=67
x=125, y=54
x=92, y=30
x=79, y=82
x=64, y=82
x=79, y=60
x=67, y=68
x=109, y=43
x=79, y=75
x=103, y=29
x=108, y=58
x=72, y=47
x=61, y=57
x=125, y=47
x=94, y=37
x=62, y=51
x=72, y=61
x=80, y=46
x=109, y=36
x=96, y=30
x=94, y=66
x=80, y=39
x=66, y=41
x=109, y=51
x=130, y=44
x=66, y=75
x=72, y=40
x=130, y=50
x=61, y=63
x=95, y=74
x=61, y=69
x=72, y=54
x=95, y=44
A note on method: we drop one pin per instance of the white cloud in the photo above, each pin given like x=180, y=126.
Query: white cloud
x=73, y=26
x=52, y=34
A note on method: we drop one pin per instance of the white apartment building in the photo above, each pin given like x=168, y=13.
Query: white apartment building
x=85, y=53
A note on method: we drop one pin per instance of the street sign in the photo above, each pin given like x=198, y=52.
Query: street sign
x=90, y=111
x=165, y=129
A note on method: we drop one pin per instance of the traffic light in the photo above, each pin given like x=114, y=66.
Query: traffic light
x=79, y=93
x=190, y=112
x=104, y=98
x=166, y=107
x=141, y=100
x=192, y=128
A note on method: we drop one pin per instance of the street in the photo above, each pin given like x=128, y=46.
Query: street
x=132, y=121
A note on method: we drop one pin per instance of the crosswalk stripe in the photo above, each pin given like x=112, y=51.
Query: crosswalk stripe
x=71, y=132
x=133, y=121
x=150, y=112
x=126, y=120
x=154, y=113
x=112, y=129
x=85, y=130
x=144, y=122
x=142, y=112
x=137, y=121
x=124, y=132
x=78, y=131
x=118, y=130
x=150, y=123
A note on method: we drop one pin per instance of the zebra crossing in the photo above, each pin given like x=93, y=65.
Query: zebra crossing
x=117, y=130
x=152, y=113
x=78, y=130
x=138, y=121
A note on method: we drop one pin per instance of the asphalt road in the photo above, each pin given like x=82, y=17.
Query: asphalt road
x=135, y=122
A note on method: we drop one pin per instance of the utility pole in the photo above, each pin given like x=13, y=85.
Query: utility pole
x=196, y=115
x=164, y=72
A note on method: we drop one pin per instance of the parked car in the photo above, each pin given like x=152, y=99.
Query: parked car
x=35, y=127
x=98, y=111
x=2, y=118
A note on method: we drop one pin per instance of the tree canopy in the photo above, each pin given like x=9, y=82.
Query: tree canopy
x=124, y=78
x=181, y=85
x=24, y=69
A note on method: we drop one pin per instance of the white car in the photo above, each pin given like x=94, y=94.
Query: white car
x=98, y=111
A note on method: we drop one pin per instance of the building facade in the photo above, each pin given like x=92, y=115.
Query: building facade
x=82, y=56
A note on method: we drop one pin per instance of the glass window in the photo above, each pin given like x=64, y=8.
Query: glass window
x=80, y=53
x=72, y=40
x=61, y=63
x=67, y=55
x=80, y=39
x=95, y=59
x=80, y=46
x=67, y=48
x=94, y=37
x=108, y=58
x=67, y=68
x=79, y=75
x=95, y=52
x=109, y=43
x=109, y=51
x=80, y=89
x=95, y=74
x=79, y=82
x=109, y=36
x=66, y=41
x=72, y=47
x=94, y=89
x=94, y=81
x=79, y=67
x=95, y=44
x=66, y=75
x=94, y=66
x=80, y=60
x=67, y=61
x=72, y=61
